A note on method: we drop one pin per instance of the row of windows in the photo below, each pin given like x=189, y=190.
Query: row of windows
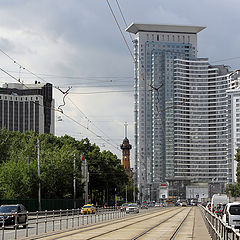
x=19, y=116
x=167, y=37
x=18, y=98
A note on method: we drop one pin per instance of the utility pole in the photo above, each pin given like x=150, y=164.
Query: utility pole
x=134, y=193
x=39, y=183
x=126, y=193
x=86, y=178
x=74, y=182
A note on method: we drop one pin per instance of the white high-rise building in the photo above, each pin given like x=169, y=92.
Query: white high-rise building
x=181, y=109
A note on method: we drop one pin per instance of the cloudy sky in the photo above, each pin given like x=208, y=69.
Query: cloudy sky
x=76, y=43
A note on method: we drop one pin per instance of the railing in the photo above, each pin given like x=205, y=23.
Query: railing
x=217, y=228
x=43, y=222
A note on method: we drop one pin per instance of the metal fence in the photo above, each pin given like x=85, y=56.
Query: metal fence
x=217, y=228
x=46, y=204
x=40, y=223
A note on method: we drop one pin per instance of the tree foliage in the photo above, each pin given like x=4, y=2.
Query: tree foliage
x=234, y=189
x=19, y=164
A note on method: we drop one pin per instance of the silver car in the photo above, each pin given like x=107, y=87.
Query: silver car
x=231, y=214
x=132, y=208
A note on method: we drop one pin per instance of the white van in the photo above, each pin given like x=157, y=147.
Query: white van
x=231, y=214
x=218, y=199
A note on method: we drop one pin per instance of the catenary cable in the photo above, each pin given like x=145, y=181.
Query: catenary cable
x=59, y=110
x=120, y=30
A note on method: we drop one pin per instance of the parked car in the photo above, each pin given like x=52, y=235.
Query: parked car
x=183, y=204
x=88, y=209
x=219, y=209
x=157, y=204
x=132, y=207
x=123, y=207
x=231, y=214
x=11, y=213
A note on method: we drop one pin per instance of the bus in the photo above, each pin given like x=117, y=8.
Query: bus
x=171, y=201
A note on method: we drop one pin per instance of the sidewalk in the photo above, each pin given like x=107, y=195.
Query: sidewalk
x=200, y=231
x=194, y=227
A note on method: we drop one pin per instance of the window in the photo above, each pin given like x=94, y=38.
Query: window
x=235, y=210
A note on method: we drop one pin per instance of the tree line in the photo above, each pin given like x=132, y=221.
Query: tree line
x=19, y=168
x=234, y=189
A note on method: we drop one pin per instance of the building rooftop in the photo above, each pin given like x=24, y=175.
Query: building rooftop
x=139, y=27
x=20, y=86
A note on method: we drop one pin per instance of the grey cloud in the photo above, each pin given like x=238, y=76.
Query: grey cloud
x=6, y=44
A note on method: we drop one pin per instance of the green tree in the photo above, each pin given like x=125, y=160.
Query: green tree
x=18, y=167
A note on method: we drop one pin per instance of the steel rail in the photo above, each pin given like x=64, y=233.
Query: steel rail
x=115, y=222
x=180, y=226
x=130, y=224
x=153, y=227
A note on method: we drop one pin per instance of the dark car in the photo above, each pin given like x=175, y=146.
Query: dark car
x=12, y=213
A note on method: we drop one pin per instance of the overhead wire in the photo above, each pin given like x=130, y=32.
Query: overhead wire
x=120, y=30
x=66, y=92
x=123, y=17
x=78, y=77
x=10, y=75
x=226, y=59
x=109, y=143
x=88, y=118
x=21, y=67
x=134, y=59
x=100, y=92
x=59, y=110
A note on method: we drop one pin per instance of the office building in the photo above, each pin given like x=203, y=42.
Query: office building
x=27, y=107
x=182, y=111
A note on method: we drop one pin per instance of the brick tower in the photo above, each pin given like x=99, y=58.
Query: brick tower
x=126, y=147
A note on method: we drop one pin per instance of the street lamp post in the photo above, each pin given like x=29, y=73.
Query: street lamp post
x=74, y=182
x=86, y=178
x=126, y=193
x=39, y=183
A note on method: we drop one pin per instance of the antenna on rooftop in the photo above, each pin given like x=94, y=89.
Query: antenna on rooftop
x=125, y=128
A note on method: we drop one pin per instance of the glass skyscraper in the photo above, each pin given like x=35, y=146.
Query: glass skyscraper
x=181, y=109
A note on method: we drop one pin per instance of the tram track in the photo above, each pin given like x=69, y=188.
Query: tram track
x=180, y=226
x=107, y=224
x=120, y=228
x=157, y=225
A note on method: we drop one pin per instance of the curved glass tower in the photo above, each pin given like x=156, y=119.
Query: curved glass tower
x=200, y=130
x=183, y=117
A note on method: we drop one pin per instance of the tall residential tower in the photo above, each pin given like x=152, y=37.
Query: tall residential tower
x=181, y=109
